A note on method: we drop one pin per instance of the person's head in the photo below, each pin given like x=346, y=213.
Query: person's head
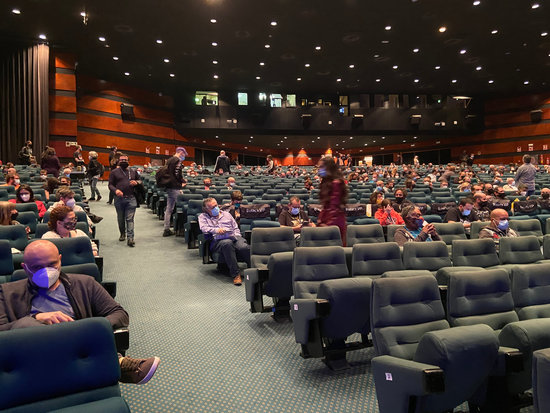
x=62, y=220
x=210, y=207
x=465, y=206
x=526, y=158
x=377, y=197
x=222, y=153
x=67, y=172
x=522, y=189
x=236, y=198
x=29, y=143
x=114, y=148
x=66, y=195
x=444, y=184
x=545, y=193
x=294, y=204
x=64, y=181
x=499, y=192
x=10, y=178
x=11, y=170
x=510, y=181
x=480, y=199
x=207, y=182
x=477, y=187
x=92, y=155
x=123, y=161
x=386, y=205
x=181, y=153
x=43, y=174
x=7, y=211
x=42, y=263
x=412, y=217
x=499, y=219
x=328, y=168
x=400, y=194
x=50, y=152
x=231, y=181
x=24, y=194
x=379, y=185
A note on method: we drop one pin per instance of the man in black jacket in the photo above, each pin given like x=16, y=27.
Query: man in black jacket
x=173, y=188
x=222, y=164
x=49, y=296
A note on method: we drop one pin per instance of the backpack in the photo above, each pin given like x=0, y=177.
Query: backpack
x=162, y=177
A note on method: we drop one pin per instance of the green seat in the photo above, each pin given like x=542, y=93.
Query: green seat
x=371, y=233
x=531, y=290
x=429, y=256
x=374, y=259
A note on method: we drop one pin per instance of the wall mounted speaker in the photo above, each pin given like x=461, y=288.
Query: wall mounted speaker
x=536, y=115
x=127, y=112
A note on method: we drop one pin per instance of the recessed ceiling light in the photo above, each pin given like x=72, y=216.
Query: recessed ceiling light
x=338, y=80
x=126, y=73
x=454, y=81
x=476, y=3
x=262, y=64
x=385, y=41
x=101, y=39
x=107, y=45
x=115, y=57
x=351, y=66
x=442, y=29
x=404, y=140
x=383, y=137
x=307, y=65
x=267, y=46
x=159, y=41
x=479, y=68
x=166, y=60
x=258, y=77
x=317, y=47
x=252, y=137
x=415, y=137
x=526, y=82
x=376, y=56
x=387, y=28
x=437, y=67
x=416, y=80
x=172, y=75
x=365, y=144
x=416, y=50
x=16, y=11
x=215, y=76
x=286, y=137
x=318, y=137
x=213, y=21
x=495, y=31
x=535, y=6
x=214, y=62
x=214, y=44
x=273, y=23
x=298, y=79
x=378, y=80
x=42, y=36
x=395, y=67
x=463, y=51
x=544, y=34
x=491, y=81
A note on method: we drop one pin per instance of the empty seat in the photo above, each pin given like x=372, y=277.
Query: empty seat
x=429, y=256
x=374, y=259
x=372, y=233
x=519, y=250
x=449, y=231
x=526, y=227
x=6, y=261
x=541, y=380
x=320, y=236
x=531, y=290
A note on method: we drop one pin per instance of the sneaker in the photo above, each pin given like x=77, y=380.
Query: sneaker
x=168, y=233
x=131, y=242
x=95, y=218
x=122, y=237
x=138, y=371
x=237, y=280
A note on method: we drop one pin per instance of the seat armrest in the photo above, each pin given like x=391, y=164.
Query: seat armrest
x=253, y=277
x=410, y=377
x=509, y=360
x=99, y=262
x=303, y=311
x=110, y=286
x=122, y=340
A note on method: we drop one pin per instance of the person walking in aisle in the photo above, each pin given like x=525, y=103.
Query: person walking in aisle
x=173, y=188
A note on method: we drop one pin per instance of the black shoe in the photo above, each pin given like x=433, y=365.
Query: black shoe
x=168, y=233
x=131, y=242
x=138, y=371
x=109, y=202
x=98, y=198
x=91, y=199
x=95, y=219
x=122, y=237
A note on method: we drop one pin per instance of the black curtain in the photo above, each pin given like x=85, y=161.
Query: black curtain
x=24, y=109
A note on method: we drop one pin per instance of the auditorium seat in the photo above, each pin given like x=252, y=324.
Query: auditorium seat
x=191, y=227
x=16, y=235
x=519, y=250
x=26, y=207
x=527, y=227
x=449, y=231
x=421, y=364
x=476, y=227
x=541, y=380
x=374, y=259
x=531, y=290
x=429, y=256
x=6, y=261
x=28, y=219
x=391, y=232
x=364, y=234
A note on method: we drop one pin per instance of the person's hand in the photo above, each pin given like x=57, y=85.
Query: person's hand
x=133, y=183
x=467, y=224
x=221, y=231
x=27, y=230
x=428, y=228
x=119, y=193
x=54, y=317
x=60, y=203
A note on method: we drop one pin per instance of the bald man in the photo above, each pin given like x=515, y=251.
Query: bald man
x=498, y=228
x=50, y=296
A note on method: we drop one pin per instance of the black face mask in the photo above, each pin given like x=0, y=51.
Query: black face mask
x=398, y=199
x=545, y=196
x=14, y=216
x=501, y=195
x=123, y=165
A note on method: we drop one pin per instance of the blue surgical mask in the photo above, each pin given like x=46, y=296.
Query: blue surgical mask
x=215, y=211
x=419, y=222
x=503, y=225
x=295, y=211
x=322, y=172
x=466, y=212
x=182, y=158
x=466, y=190
x=379, y=188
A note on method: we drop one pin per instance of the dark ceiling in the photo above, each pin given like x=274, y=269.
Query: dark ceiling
x=506, y=48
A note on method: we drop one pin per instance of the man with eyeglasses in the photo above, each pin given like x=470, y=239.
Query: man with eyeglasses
x=498, y=228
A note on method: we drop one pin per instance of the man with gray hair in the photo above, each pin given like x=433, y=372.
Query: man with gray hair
x=526, y=175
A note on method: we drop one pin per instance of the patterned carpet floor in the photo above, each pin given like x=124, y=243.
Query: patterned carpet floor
x=215, y=355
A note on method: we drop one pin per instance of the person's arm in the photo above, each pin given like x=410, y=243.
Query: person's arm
x=235, y=228
x=216, y=164
x=400, y=236
x=206, y=226
x=452, y=216
x=112, y=181
x=103, y=305
x=518, y=174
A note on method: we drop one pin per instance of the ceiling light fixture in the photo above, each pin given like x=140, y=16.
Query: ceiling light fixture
x=479, y=68
x=463, y=51
x=214, y=44
x=395, y=67
x=159, y=41
x=166, y=60
x=442, y=29
x=101, y=38
x=267, y=46
x=42, y=36
x=214, y=62
x=262, y=64
x=317, y=47
x=115, y=57
x=213, y=21
x=437, y=67
x=351, y=66
x=476, y=3
x=535, y=6
x=416, y=50
x=298, y=79
x=454, y=81
x=388, y=28
x=273, y=23
x=215, y=76
x=416, y=80
x=495, y=31
x=172, y=75
x=126, y=73
x=526, y=82
x=16, y=11
x=385, y=42
x=543, y=34
x=378, y=80
x=491, y=82
x=258, y=77
x=338, y=80
x=307, y=65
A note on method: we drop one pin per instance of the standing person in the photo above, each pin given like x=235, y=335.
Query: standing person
x=94, y=172
x=113, y=162
x=50, y=162
x=270, y=164
x=222, y=164
x=121, y=182
x=333, y=195
x=25, y=153
x=77, y=154
x=416, y=161
x=526, y=175
x=173, y=187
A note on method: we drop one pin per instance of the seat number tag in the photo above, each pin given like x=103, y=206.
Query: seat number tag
x=389, y=377
x=295, y=307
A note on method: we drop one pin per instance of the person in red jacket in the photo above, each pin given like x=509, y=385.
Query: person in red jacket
x=387, y=215
x=24, y=194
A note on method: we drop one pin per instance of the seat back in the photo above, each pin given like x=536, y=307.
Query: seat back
x=476, y=227
x=267, y=241
x=531, y=290
x=374, y=259
x=90, y=349
x=194, y=208
x=519, y=250
x=474, y=253
x=402, y=310
x=391, y=232
x=480, y=297
x=541, y=380
x=372, y=233
x=41, y=229
x=312, y=265
x=15, y=234
x=6, y=259
x=77, y=250
x=28, y=219
x=429, y=256
x=320, y=236
x=27, y=206
x=526, y=227
x=264, y=223
x=450, y=231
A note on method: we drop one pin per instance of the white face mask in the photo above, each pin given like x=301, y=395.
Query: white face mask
x=25, y=197
x=45, y=277
x=70, y=203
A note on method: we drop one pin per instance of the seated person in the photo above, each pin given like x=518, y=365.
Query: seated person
x=376, y=197
x=227, y=239
x=65, y=197
x=462, y=213
x=12, y=179
x=387, y=215
x=415, y=229
x=208, y=184
x=50, y=186
x=294, y=216
x=522, y=190
x=62, y=224
x=544, y=200
x=401, y=200
x=43, y=175
x=498, y=193
x=234, y=207
x=49, y=296
x=230, y=183
x=481, y=206
x=64, y=181
x=24, y=194
x=498, y=228
x=8, y=213
x=510, y=185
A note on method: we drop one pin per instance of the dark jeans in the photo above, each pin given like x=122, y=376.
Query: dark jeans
x=125, y=211
x=93, y=187
x=171, y=197
x=231, y=249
